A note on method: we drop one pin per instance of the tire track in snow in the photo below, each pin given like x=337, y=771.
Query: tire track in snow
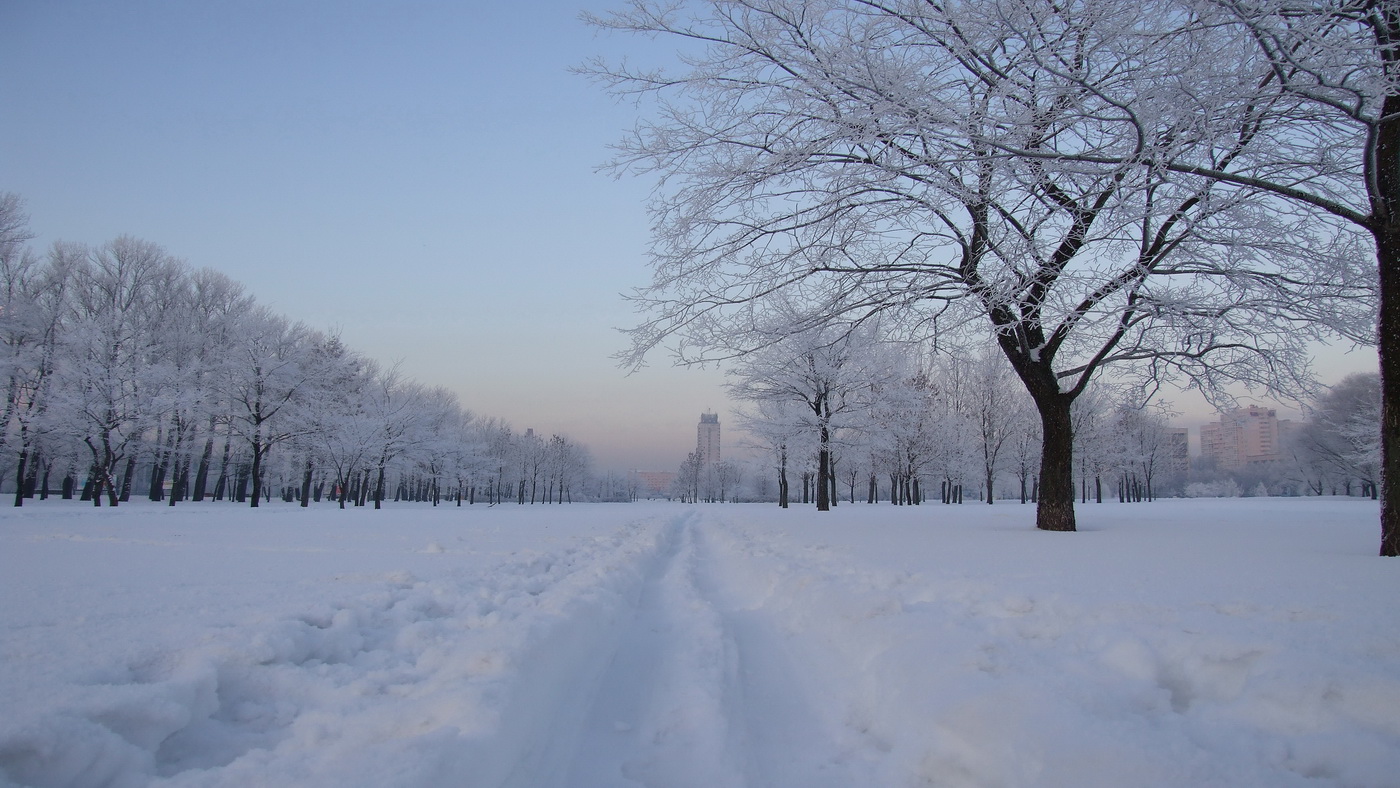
x=700, y=692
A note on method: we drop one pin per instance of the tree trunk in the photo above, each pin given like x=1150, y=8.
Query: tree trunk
x=832, y=494
x=19, y=480
x=256, y=472
x=240, y=491
x=221, y=484
x=31, y=477
x=782, y=479
x=1385, y=170
x=127, y=478
x=201, y=476
x=110, y=484
x=306, y=485
x=1388, y=347
x=1055, y=510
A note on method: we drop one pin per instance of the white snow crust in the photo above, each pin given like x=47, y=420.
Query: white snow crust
x=1246, y=642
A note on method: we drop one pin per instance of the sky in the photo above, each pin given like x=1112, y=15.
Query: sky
x=422, y=177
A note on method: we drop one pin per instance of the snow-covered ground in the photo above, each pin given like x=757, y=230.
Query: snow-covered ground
x=1250, y=642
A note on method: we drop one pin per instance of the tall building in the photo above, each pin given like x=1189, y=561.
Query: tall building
x=707, y=439
x=1244, y=437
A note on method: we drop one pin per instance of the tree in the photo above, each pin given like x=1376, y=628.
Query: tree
x=1143, y=440
x=32, y=306
x=687, y=483
x=776, y=428
x=828, y=373
x=918, y=160
x=1326, y=77
x=217, y=305
x=1342, y=437
x=908, y=428
x=1297, y=101
x=112, y=368
x=992, y=407
x=1098, y=452
x=271, y=376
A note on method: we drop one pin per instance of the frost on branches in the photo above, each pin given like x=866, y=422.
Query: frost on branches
x=1005, y=167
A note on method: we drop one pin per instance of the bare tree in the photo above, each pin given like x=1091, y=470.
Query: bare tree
x=830, y=374
x=905, y=158
x=1342, y=436
x=1297, y=101
x=776, y=428
x=110, y=371
x=272, y=375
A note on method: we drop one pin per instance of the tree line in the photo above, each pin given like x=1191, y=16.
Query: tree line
x=857, y=416
x=128, y=372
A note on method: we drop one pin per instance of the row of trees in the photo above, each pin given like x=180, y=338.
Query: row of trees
x=857, y=417
x=125, y=370
x=854, y=412
x=1179, y=190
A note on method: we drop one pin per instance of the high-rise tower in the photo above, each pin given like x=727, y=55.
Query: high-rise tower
x=707, y=439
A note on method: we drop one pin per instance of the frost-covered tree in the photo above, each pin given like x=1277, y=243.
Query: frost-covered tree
x=113, y=367
x=217, y=305
x=120, y=362
x=1342, y=436
x=32, y=307
x=272, y=375
x=777, y=430
x=1297, y=101
x=992, y=407
x=937, y=163
x=830, y=374
x=1142, y=441
x=1324, y=79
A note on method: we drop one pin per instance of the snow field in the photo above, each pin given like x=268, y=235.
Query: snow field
x=416, y=682
x=1203, y=643
x=1109, y=658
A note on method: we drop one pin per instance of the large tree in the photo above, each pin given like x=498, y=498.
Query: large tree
x=906, y=158
x=1300, y=101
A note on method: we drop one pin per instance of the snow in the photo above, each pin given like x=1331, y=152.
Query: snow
x=1241, y=642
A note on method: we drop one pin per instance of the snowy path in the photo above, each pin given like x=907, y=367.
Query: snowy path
x=700, y=691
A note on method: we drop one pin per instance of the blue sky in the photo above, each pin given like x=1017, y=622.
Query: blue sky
x=421, y=175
